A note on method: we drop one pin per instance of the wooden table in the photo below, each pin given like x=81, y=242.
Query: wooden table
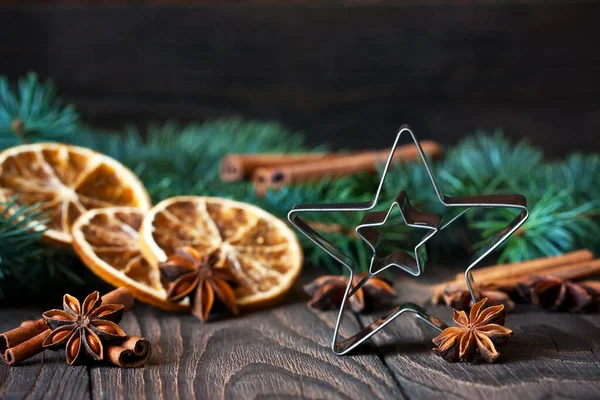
x=284, y=352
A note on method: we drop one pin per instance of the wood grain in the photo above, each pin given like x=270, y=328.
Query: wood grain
x=552, y=355
x=280, y=353
x=284, y=353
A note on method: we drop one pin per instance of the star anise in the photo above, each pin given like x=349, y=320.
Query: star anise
x=550, y=292
x=328, y=291
x=84, y=328
x=460, y=298
x=481, y=331
x=191, y=275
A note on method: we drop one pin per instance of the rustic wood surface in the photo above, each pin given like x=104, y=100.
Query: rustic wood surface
x=284, y=352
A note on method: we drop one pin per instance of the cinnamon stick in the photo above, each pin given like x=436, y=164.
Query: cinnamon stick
x=19, y=335
x=133, y=352
x=120, y=295
x=453, y=292
x=26, y=349
x=580, y=270
x=567, y=272
x=530, y=267
x=500, y=273
x=26, y=341
x=593, y=287
x=235, y=167
x=281, y=175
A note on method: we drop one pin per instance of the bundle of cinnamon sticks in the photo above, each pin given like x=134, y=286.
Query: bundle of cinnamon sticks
x=502, y=283
x=25, y=341
x=277, y=170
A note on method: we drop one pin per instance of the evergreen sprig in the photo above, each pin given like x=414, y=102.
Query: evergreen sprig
x=26, y=261
x=557, y=224
x=31, y=110
x=21, y=228
x=487, y=163
x=172, y=160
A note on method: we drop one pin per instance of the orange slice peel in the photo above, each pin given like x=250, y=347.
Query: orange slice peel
x=67, y=181
x=261, y=250
x=107, y=241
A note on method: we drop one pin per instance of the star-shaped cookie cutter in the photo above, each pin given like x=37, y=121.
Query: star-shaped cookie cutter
x=368, y=232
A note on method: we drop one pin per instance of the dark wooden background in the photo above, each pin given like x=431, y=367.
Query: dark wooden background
x=347, y=73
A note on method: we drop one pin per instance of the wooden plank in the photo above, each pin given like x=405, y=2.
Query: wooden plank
x=285, y=352
x=552, y=355
x=46, y=375
x=277, y=352
x=282, y=352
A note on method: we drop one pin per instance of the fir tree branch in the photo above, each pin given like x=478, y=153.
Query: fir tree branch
x=21, y=228
x=26, y=262
x=31, y=111
x=556, y=225
x=487, y=163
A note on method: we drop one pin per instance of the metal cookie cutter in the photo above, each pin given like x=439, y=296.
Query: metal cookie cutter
x=368, y=232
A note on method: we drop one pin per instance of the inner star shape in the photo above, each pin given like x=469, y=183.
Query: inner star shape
x=368, y=231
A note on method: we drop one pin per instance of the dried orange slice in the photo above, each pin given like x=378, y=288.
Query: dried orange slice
x=260, y=249
x=67, y=181
x=106, y=240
